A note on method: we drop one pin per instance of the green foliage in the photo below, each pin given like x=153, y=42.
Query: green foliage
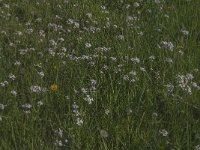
x=126, y=74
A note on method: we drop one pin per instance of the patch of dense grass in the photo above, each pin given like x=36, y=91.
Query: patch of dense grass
x=103, y=74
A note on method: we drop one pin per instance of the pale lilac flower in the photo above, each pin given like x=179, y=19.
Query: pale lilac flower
x=168, y=45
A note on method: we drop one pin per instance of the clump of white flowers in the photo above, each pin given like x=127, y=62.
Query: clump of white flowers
x=60, y=141
x=185, y=81
x=170, y=88
x=27, y=108
x=37, y=89
x=77, y=114
x=167, y=45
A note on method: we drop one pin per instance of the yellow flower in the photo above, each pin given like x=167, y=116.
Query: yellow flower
x=54, y=87
x=179, y=46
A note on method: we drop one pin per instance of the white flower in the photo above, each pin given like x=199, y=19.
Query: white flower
x=13, y=92
x=152, y=57
x=79, y=121
x=27, y=106
x=157, y=1
x=136, y=4
x=163, y=132
x=2, y=84
x=88, y=45
x=135, y=60
x=107, y=111
x=89, y=99
x=37, y=89
x=12, y=76
x=2, y=106
x=120, y=37
x=170, y=88
x=142, y=69
x=197, y=147
x=185, y=32
x=168, y=45
x=40, y=103
x=17, y=63
x=59, y=132
x=169, y=60
x=89, y=15
x=41, y=74
x=104, y=133
x=58, y=143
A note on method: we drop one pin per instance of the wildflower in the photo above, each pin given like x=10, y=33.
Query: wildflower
x=185, y=32
x=58, y=143
x=40, y=103
x=170, y=88
x=107, y=111
x=168, y=45
x=104, y=133
x=120, y=37
x=152, y=57
x=13, y=92
x=41, y=74
x=26, y=106
x=154, y=115
x=135, y=60
x=169, y=60
x=136, y=4
x=89, y=99
x=79, y=121
x=37, y=89
x=17, y=63
x=2, y=84
x=2, y=106
x=184, y=82
x=129, y=111
x=54, y=87
x=197, y=147
x=88, y=45
x=12, y=76
x=59, y=132
x=163, y=132
x=157, y=1
x=142, y=69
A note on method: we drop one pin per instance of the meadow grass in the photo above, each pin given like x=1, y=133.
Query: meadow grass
x=88, y=75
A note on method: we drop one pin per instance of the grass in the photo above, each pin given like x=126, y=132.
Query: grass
x=120, y=74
